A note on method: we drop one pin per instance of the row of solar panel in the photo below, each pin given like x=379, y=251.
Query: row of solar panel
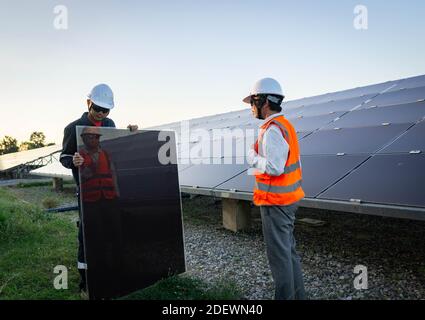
x=364, y=143
x=391, y=138
x=396, y=179
x=364, y=147
x=395, y=93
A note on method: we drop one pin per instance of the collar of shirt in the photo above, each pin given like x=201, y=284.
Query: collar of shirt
x=87, y=122
x=270, y=117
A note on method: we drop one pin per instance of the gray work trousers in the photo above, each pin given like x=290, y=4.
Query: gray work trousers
x=285, y=265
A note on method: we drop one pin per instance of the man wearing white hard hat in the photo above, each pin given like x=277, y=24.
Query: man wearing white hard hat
x=100, y=101
x=275, y=158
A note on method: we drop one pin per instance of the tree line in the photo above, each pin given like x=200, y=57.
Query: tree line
x=9, y=144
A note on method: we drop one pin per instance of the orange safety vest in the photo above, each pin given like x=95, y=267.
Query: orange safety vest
x=101, y=182
x=285, y=189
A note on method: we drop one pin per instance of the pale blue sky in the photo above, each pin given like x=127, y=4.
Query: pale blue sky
x=174, y=60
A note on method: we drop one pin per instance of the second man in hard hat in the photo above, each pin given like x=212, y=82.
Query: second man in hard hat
x=276, y=160
x=99, y=102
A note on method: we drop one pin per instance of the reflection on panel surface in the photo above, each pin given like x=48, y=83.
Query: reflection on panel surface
x=131, y=211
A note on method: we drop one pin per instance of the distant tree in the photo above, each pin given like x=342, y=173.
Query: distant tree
x=8, y=145
x=37, y=139
x=25, y=146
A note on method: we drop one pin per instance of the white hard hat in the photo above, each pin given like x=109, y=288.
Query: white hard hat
x=265, y=86
x=102, y=96
x=91, y=130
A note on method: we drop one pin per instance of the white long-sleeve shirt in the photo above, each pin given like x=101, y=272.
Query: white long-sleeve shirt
x=275, y=149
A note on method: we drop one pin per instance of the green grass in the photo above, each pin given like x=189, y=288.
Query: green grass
x=41, y=184
x=33, y=242
x=185, y=288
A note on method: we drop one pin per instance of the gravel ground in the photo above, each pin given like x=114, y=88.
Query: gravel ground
x=393, y=251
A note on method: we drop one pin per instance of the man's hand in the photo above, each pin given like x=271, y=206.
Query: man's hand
x=77, y=160
x=132, y=127
x=252, y=157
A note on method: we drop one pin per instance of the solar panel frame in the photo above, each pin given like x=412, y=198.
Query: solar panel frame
x=133, y=236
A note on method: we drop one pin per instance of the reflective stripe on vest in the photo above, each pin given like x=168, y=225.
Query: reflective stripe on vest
x=292, y=167
x=278, y=189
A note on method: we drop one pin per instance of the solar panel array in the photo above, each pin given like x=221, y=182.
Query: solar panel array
x=364, y=145
x=15, y=159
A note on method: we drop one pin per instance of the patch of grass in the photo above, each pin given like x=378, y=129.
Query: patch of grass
x=50, y=202
x=36, y=195
x=32, y=243
x=185, y=288
x=41, y=184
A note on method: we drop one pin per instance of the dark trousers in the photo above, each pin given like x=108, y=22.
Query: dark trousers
x=285, y=265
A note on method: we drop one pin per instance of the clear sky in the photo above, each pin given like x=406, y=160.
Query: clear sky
x=174, y=60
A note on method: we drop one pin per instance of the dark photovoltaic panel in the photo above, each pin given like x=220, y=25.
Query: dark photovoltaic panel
x=397, y=179
x=292, y=113
x=131, y=212
x=313, y=123
x=371, y=90
x=210, y=175
x=337, y=132
x=397, y=97
x=320, y=172
x=362, y=91
x=303, y=134
x=412, y=82
x=405, y=113
x=289, y=105
x=412, y=140
x=242, y=182
x=334, y=106
x=351, y=140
